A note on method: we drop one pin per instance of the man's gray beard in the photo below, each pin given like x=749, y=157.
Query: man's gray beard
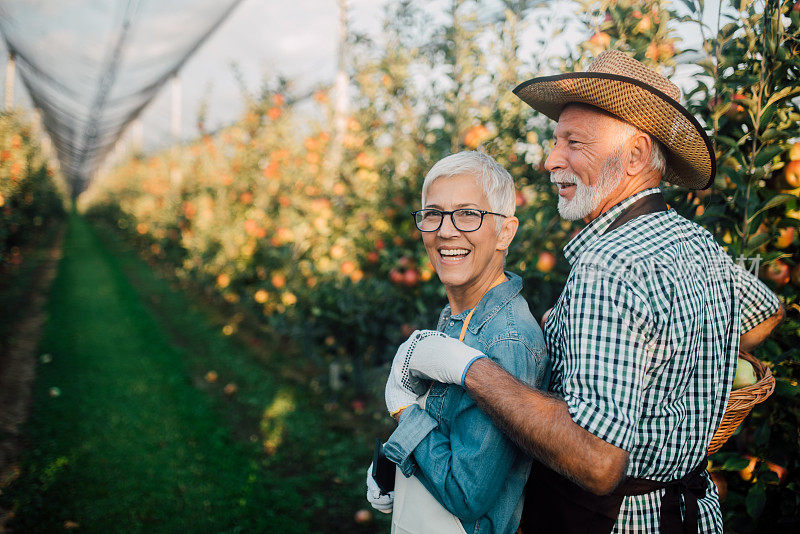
x=587, y=198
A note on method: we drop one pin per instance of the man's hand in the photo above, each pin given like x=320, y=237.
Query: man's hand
x=402, y=390
x=441, y=358
x=382, y=503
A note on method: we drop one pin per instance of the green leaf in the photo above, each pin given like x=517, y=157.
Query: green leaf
x=784, y=388
x=728, y=141
x=777, y=200
x=735, y=464
x=761, y=435
x=786, y=92
x=756, y=498
x=766, y=154
x=756, y=241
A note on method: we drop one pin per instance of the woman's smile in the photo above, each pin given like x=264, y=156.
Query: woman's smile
x=453, y=255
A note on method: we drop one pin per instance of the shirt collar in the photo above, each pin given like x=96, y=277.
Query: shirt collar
x=597, y=227
x=490, y=304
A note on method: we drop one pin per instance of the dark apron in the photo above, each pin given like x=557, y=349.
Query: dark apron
x=558, y=505
x=554, y=504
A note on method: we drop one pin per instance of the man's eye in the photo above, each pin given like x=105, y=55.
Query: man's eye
x=470, y=213
x=430, y=214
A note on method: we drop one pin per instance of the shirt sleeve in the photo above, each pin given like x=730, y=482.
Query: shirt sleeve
x=465, y=464
x=757, y=301
x=608, y=326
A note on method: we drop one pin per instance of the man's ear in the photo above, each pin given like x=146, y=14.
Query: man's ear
x=638, y=151
x=507, y=232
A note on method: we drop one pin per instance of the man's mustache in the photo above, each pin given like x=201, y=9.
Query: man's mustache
x=564, y=177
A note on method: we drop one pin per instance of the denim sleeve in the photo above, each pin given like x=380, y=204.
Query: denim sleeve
x=466, y=465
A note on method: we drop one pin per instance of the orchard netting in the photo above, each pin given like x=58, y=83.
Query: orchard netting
x=91, y=67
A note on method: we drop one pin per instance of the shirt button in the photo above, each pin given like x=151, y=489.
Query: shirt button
x=452, y=323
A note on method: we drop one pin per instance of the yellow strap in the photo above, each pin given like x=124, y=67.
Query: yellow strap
x=500, y=280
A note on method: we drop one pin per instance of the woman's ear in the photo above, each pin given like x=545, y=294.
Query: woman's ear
x=507, y=232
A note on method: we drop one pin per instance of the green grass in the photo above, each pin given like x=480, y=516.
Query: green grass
x=137, y=441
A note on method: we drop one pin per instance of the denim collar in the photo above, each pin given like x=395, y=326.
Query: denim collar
x=491, y=303
x=592, y=231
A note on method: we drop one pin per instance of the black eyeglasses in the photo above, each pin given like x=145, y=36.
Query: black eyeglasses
x=464, y=219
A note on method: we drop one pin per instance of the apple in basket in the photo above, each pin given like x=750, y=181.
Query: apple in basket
x=745, y=374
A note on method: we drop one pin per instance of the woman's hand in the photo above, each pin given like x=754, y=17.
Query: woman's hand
x=381, y=502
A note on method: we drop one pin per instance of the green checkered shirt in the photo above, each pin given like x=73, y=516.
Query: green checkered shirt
x=644, y=341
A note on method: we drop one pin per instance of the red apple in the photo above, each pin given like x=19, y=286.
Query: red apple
x=795, y=275
x=794, y=151
x=736, y=111
x=791, y=174
x=362, y=516
x=746, y=474
x=778, y=272
x=546, y=262
x=785, y=237
x=778, y=470
x=406, y=330
x=411, y=277
x=396, y=276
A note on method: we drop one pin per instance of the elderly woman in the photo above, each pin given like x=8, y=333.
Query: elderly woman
x=457, y=472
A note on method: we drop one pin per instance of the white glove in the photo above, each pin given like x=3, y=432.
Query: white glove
x=382, y=503
x=402, y=390
x=441, y=358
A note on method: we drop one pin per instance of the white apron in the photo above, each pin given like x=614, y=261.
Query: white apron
x=415, y=510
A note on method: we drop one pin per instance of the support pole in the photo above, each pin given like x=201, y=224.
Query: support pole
x=176, y=107
x=341, y=99
x=175, y=174
x=137, y=133
x=10, y=71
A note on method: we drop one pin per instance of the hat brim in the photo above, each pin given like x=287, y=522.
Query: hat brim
x=690, y=157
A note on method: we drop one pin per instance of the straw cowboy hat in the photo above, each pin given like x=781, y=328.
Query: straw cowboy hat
x=640, y=96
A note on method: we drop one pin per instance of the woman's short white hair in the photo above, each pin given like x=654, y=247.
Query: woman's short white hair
x=494, y=180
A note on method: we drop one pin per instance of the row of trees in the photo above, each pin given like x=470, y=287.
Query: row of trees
x=259, y=216
x=31, y=195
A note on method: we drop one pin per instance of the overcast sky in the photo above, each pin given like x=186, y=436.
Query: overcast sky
x=297, y=39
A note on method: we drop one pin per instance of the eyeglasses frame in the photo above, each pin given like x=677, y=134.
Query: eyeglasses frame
x=452, y=219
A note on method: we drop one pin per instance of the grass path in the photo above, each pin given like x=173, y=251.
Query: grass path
x=127, y=437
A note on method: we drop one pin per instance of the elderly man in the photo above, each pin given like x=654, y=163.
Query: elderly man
x=644, y=337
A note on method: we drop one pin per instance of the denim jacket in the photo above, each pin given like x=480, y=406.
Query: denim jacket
x=474, y=470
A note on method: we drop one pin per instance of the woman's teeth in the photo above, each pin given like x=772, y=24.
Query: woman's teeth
x=454, y=252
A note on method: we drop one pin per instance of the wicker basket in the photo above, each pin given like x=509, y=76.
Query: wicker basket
x=741, y=401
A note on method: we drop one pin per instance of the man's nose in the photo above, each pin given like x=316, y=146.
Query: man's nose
x=555, y=159
x=447, y=229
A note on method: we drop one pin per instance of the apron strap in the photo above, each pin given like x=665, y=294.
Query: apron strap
x=649, y=204
x=500, y=279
